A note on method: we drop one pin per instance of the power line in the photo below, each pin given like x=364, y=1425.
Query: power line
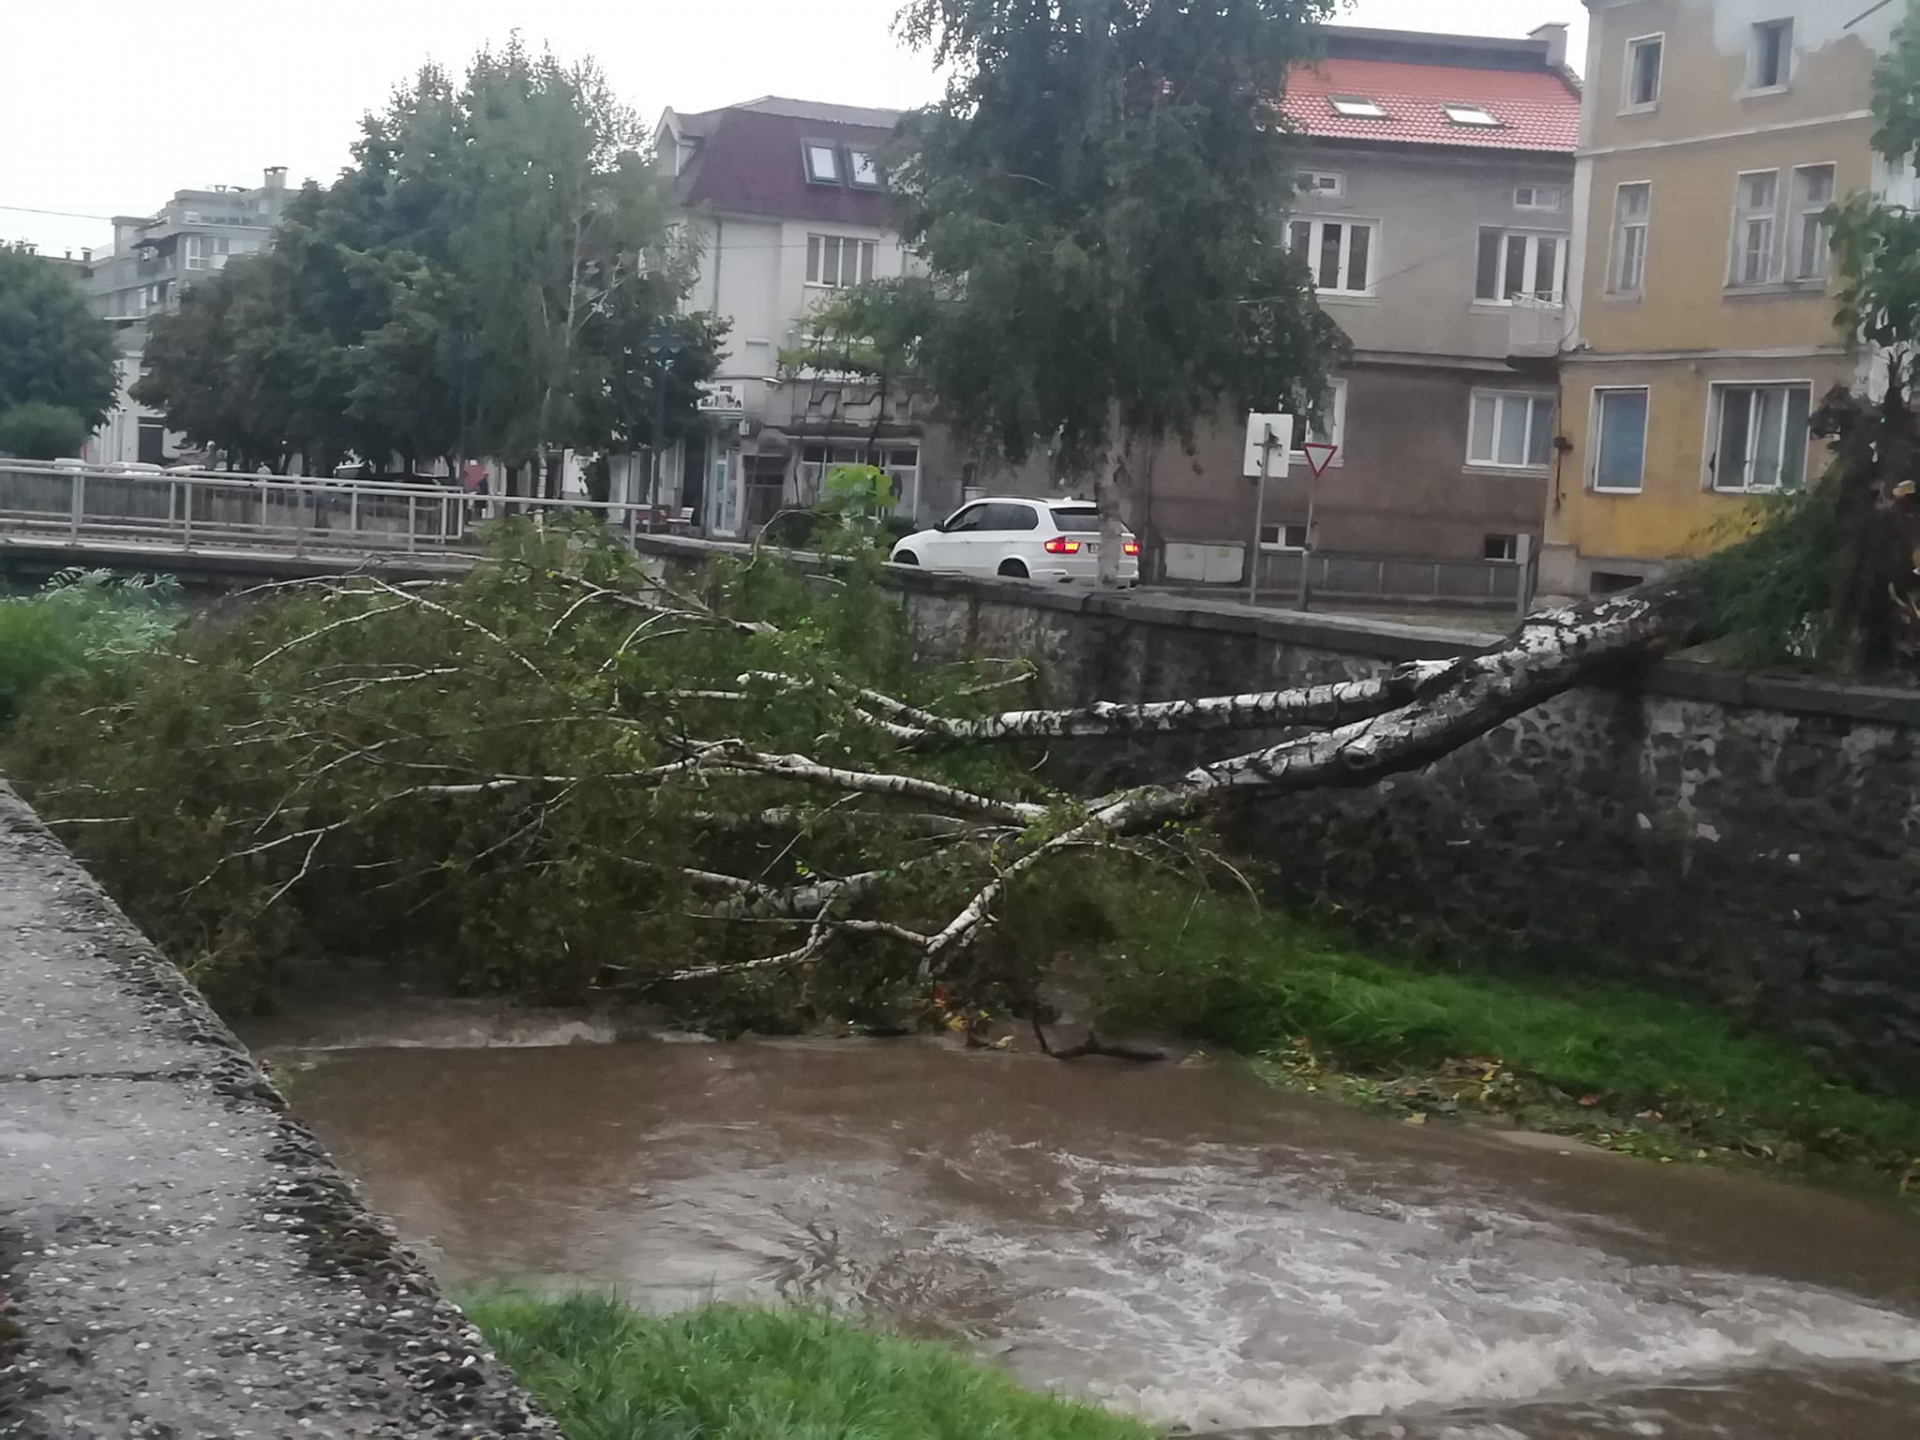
x=60, y=214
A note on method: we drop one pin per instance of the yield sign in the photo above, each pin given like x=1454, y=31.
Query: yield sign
x=1319, y=455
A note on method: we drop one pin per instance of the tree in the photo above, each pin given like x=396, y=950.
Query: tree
x=482, y=280
x=1099, y=201
x=561, y=772
x=39, y=431
x=54, y=350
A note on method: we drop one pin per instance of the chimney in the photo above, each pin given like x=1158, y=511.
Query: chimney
x=277, y=174
x=86, y=254
x=1555, y=36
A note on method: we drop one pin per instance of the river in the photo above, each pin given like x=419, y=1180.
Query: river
x=1180, y=1242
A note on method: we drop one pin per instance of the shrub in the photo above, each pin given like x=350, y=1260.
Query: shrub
x=38, y=431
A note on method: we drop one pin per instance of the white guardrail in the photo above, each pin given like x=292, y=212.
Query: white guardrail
x=188, y=510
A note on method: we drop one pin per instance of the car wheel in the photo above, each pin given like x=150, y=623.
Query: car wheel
x=1014, y=570
x=906, y=557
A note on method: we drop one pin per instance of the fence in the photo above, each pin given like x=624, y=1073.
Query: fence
x=1477, y=582
x=212, y=509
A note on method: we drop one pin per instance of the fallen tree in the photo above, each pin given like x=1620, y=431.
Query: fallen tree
x=561, y=772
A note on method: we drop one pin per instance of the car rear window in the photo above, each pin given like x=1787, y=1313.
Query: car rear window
x=1077, y=519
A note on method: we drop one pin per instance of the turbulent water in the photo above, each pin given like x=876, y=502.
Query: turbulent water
x=1180, y=1243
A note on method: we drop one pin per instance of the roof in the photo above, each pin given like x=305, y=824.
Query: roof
x=819, y=110
x=748, y=160
x=1411, y=76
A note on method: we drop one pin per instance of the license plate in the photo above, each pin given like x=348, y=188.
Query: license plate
x=1093, y=547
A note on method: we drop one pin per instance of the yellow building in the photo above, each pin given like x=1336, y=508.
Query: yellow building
x=1714, y=134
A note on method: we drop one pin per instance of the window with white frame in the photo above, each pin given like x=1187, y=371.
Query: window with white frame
x=207, y=252
x=1539, y=197
x=1283, y=537
x=1620, y=440
x=823, y=162
x=1510, y=430
x=1339, y=253
x=1812, y=236
x=1755, y=206
x=901, y=462
x=1645, y=59
x=1770, y=56
x=1521, y=264
x=839, y=261
x=1760, y=437
x=1501, y=547
x=1632, y=210
x=1331, y=426
x=1321, y=182
x=1473, y=116
x=1357, y=107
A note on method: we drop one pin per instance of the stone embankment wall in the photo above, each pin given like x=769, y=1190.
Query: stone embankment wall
x=179, y=1258
x=1747, y=841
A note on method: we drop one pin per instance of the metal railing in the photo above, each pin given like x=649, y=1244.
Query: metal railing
x=192, y=510
x=1388, y=578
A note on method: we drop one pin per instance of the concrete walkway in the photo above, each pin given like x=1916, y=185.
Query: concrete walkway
x=179, y=1259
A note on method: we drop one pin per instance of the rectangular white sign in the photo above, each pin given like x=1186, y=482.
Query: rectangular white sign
x=1259, y=427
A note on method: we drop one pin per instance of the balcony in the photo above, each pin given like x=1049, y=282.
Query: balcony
x=1536, y=330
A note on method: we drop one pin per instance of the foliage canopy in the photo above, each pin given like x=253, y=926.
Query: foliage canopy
x=54, y=351
x=483, y=279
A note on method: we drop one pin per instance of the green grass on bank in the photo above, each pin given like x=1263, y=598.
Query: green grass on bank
x=1625, y=1069
x=727, y=1372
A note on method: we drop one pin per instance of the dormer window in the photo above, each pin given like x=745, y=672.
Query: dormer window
x=823, y=163
x=863, y=170
x=1357, y=107
x=1475, y=115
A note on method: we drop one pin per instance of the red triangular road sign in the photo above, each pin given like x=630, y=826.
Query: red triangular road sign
x=1319, y=455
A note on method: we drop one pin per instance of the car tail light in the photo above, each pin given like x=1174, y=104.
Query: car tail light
x=1060, y=545
x=1132, y=547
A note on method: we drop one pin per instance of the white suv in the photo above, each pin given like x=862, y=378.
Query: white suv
x=1023, y=539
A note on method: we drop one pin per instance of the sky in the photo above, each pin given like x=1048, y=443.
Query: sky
x=109, y=106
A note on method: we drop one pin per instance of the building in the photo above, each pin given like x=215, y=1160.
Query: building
x=1714, y=136
x=785, y=200
x=152, y=259
x=1435, y=208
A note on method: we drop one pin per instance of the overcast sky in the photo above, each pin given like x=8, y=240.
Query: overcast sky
x=109, y=106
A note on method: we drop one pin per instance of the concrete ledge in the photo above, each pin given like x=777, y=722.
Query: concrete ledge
x=178, y=1257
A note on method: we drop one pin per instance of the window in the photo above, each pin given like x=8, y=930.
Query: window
x=1510, y=431
x=1321, y=182
x=1470, y=115
x=1620, y=440
x=1338, y=252
x=1516, y=264
x=1010, y=517
x=863, y=170
x=901, y=462
x=1759, y=436
x=1538, y=197
x=1330, y=428
x=1770, y=57
x=1501, y=547
x=823, y=163
x=1644, y=57
x=1755, y=197
x=1283, y=537
x=839, y=261
x=1356, y=107
x=207, y=252
x=1632, y=208
x=1812, y=231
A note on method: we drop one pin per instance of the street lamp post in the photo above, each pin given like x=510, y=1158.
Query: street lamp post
x=663, y=348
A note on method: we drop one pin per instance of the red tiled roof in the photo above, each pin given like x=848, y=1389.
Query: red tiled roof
x=1538, y=109
x=750, y=162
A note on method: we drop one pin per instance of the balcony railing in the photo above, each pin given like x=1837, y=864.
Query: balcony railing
x=1536, y=328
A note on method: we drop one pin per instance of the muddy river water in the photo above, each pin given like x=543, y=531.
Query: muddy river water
x=1182, y=1243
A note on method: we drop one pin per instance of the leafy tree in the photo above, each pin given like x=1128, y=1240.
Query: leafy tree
x=39, y=431
x=483, y=279
x=1099, y=203
x=53, y=349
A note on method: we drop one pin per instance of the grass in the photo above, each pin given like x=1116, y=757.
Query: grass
x=726, y=1372
x=1623, y=1069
